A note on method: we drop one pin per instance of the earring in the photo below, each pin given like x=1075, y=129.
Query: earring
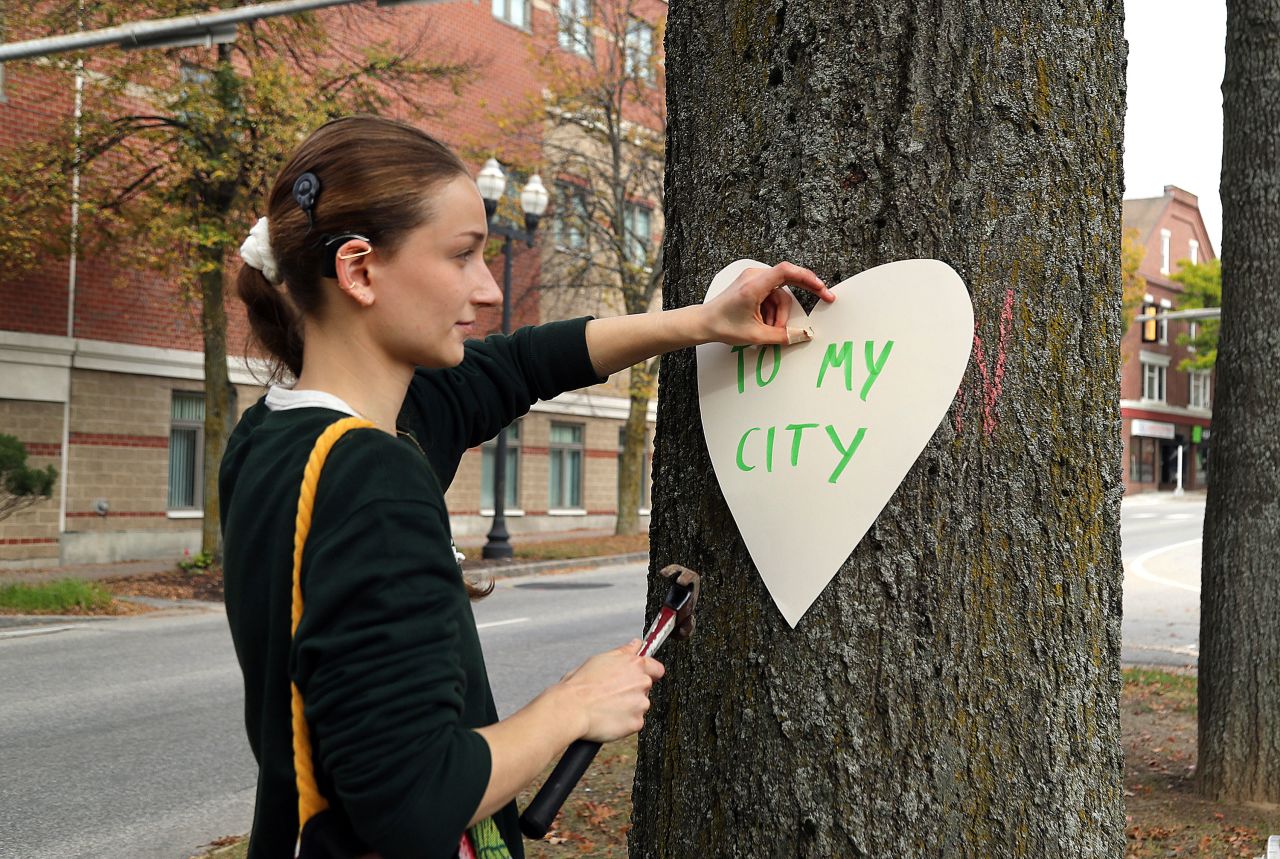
x=355, y=254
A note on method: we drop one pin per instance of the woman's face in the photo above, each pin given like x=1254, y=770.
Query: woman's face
x=429, y=292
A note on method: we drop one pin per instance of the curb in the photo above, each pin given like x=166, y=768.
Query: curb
x=513, y=570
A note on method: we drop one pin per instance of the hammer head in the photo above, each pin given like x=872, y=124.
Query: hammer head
x=682, y=596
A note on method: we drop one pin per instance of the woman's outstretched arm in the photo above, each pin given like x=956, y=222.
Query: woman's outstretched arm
x=748, y=312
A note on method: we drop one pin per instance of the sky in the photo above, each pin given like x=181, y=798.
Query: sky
x=1173, y=126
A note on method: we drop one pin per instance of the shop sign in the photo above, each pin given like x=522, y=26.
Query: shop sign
x=1152, y=429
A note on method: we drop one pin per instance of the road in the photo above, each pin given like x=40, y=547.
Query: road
x=1161, y=550
x=122, y=738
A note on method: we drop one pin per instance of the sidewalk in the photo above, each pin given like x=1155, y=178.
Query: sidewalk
x=1196, y=496
x=469, y=545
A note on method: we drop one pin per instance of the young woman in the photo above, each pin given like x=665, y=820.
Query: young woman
x=364, y=281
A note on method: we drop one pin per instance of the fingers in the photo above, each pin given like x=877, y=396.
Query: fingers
x=765, y=281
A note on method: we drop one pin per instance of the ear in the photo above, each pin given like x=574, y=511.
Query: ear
x=352, y=263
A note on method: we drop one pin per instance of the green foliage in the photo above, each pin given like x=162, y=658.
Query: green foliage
x=20, y=485
x=197, y=563
x=65, y=596
x=1202, y=287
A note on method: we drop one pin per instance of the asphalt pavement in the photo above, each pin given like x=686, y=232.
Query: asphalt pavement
x=122, y=737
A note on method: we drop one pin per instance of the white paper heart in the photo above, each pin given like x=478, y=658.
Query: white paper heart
x=810, y=441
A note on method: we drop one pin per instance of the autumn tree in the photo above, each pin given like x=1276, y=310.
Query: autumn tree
x=1201, y=288
x=178, y=148
x=1239, y=734
x=599, y=131
x=954, y=690
x=1133, y=284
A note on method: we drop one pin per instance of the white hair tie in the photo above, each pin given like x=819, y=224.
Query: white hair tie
x=256, y=252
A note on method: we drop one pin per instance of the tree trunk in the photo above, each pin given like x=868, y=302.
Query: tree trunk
x=1239, y=740
x=631, y=462
x=954, y=691
x=217, y=395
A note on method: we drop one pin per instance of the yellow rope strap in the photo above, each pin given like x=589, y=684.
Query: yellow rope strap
x=310, y=802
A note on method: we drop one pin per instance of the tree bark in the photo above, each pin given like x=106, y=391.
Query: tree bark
x=218, y=412
x=1239, y=696
x=631, y=461
x=954, y=691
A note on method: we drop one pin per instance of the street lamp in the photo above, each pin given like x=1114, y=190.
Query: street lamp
x=533, y=200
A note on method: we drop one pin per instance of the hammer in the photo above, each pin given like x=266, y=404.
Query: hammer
x=538, y=816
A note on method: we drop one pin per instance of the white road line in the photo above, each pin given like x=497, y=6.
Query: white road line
x=1138, y=567
x=494, y=623
x=34, y=630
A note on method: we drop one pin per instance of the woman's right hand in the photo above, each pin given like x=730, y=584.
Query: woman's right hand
x=610, y=691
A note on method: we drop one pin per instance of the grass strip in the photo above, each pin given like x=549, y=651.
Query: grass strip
x=65, y=596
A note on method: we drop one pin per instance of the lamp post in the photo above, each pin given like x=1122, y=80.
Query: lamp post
x=533, y=200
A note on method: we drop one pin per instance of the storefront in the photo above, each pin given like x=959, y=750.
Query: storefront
x=1165, y=456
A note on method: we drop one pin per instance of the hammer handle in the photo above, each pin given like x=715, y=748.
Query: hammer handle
x=537, y=818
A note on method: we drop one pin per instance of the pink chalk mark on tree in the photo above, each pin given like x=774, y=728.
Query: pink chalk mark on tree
x=992, y=382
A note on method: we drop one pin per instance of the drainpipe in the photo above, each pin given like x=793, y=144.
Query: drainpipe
x=71, y=302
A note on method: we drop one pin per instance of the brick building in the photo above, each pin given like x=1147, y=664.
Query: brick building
x=101, y=370
x=1164, y=408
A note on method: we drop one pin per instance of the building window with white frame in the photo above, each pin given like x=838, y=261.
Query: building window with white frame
x=639, y=50
x=1165, y=237
x=511, y=473
x=1153, y=381
x=1193, y=252
x=565, y=456
x=639, y=226
x=569, y=224
x=1198, y=397
x=1163, y=325
x=514, y=12
x=575, y=26
x=186, y=452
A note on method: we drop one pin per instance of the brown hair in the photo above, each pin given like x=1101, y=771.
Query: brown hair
x=376, y=177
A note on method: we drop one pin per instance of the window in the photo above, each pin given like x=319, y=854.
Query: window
x=1199, y=395
x=1153, y=376
x=571, y=217
x=512, y=11
x=1150, y=327
x=575, y=26
x=639, y=234
x=186, y=452
x=639, y=50
x=566, y=454
x=1193, y=251
x=1162, y=327
x=1165, y=235
x=1142, y=459
x=511, y=473
x=645, y=469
